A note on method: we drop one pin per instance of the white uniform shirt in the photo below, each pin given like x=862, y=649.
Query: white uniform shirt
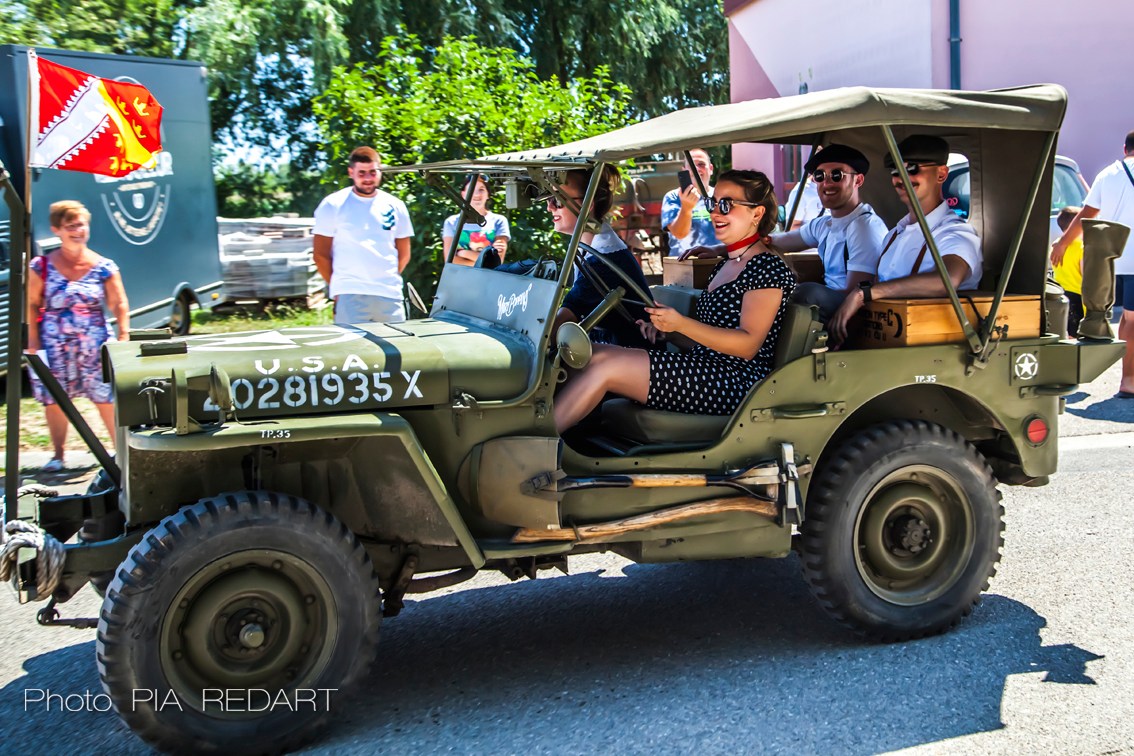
x=845, y=244
x=363, y=230
x=1112, y=194
x=953, y=236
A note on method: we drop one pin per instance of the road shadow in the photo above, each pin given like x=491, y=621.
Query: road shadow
x=32, y=724
x=1111, y=408
x=718, y=656
x=669, y=657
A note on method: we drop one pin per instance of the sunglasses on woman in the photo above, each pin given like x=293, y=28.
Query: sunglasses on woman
x=558, y=204
x=913, y=168
x=724, y=204
x=835, y=175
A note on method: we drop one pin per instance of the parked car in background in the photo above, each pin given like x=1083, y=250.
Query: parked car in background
x=1067, y=187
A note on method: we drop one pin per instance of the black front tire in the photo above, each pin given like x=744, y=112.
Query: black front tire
x=903, y=531
x=249, y=591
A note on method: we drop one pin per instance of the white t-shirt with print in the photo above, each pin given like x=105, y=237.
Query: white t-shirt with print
x=1112, y=194
x=855, y=238
x=952, y=235
x=363, y=229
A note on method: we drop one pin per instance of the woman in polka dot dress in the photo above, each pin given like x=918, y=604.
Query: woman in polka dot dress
x=735, y=328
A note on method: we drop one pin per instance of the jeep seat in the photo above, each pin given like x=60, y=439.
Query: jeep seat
x=627, y=418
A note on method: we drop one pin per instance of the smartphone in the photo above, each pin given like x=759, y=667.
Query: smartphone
x=684, y=179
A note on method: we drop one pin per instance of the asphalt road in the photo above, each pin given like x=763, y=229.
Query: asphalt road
x=720, y=657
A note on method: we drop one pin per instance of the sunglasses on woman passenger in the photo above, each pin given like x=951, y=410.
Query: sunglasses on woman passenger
x=724, y=204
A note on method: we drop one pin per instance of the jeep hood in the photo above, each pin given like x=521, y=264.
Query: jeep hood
x=322, y=369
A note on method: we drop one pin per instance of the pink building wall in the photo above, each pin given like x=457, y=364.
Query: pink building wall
x=1087, y=47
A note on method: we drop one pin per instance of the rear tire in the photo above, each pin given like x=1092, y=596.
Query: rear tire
x=903, y=531
x=249, y=591
x=181, y=319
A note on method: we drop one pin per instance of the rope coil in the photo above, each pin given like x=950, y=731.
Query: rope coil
x=19, y=534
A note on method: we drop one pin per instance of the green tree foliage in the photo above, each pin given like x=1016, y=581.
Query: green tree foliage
x=269, y=58
x=671, y=53
x=469, y=100
x=249, y=190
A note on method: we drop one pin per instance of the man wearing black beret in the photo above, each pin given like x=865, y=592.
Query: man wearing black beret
x=905, y=269
x=848, y=236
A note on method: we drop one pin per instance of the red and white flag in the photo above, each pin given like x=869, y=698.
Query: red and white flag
x=90, y=124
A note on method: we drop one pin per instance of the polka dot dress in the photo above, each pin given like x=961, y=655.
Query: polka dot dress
x=702, y=381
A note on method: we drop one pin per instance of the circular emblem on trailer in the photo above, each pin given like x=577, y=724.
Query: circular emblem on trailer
x=1026, y=367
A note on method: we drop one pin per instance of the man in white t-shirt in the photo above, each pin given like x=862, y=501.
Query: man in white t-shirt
x=362, y=245
x=906, y=267
x=848, y=237
x=1112, y=198
x=810, y=206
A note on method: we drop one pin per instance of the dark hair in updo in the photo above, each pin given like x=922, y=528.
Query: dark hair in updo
x=757, y=188
x=607, y=189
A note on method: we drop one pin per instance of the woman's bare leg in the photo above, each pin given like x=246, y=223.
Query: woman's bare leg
x=57, y=426
x=107, y=412
x=612, y=369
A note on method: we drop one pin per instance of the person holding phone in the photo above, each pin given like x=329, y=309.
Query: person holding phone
x=684, y=215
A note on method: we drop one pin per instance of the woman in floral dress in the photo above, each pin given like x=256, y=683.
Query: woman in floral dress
x=67, y=291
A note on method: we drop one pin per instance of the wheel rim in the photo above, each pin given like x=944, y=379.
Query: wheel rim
x=914, y=536
x=255, y=620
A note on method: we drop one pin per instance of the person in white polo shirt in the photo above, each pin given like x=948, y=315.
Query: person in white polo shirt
x=1112, y=198
x=848, y=236
x=906, y=267
x=362, y=245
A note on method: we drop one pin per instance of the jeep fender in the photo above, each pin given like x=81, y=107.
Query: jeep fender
x=368, y=469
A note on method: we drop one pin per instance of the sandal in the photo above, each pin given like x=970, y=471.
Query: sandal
x=53, y=465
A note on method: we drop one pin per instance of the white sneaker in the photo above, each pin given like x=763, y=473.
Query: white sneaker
x=54, y=465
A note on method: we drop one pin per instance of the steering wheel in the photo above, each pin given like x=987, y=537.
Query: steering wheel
x=644, y=298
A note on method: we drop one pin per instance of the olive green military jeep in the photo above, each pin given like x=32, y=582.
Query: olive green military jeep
x=281, y=491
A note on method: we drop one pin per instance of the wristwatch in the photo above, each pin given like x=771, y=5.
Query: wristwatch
x=865, y=286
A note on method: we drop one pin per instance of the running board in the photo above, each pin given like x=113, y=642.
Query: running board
x=606, y=531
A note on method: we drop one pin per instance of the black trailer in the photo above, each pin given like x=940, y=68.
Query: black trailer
x=159, y=225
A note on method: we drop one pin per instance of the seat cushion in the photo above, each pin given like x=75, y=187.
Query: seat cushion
x=627, y=418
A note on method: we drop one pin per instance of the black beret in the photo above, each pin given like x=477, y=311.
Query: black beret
x=838, y=153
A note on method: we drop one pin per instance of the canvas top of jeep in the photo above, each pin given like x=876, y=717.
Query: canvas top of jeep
x=279, y=489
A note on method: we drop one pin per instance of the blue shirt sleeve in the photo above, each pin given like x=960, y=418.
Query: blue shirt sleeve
x=671, y=206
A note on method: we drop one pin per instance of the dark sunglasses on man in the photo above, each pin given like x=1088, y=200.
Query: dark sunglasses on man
x=724, y=204
x=836, y=175
x=913, y=168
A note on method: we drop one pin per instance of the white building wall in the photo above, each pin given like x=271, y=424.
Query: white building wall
x=826, y=45
x=1086, y=46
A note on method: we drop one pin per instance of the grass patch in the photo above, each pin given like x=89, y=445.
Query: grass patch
x=33, y=428
x=33, y=424
x=232, y=318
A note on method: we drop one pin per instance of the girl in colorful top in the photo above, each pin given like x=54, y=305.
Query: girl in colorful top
x=67, y=290
x=474, y=238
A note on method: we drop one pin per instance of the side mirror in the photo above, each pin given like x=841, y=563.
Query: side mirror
x=574, y=345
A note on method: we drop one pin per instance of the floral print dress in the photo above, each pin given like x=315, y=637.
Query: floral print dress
x=72, y=330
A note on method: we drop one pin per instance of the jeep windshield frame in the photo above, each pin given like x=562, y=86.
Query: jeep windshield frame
x=999, y=131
